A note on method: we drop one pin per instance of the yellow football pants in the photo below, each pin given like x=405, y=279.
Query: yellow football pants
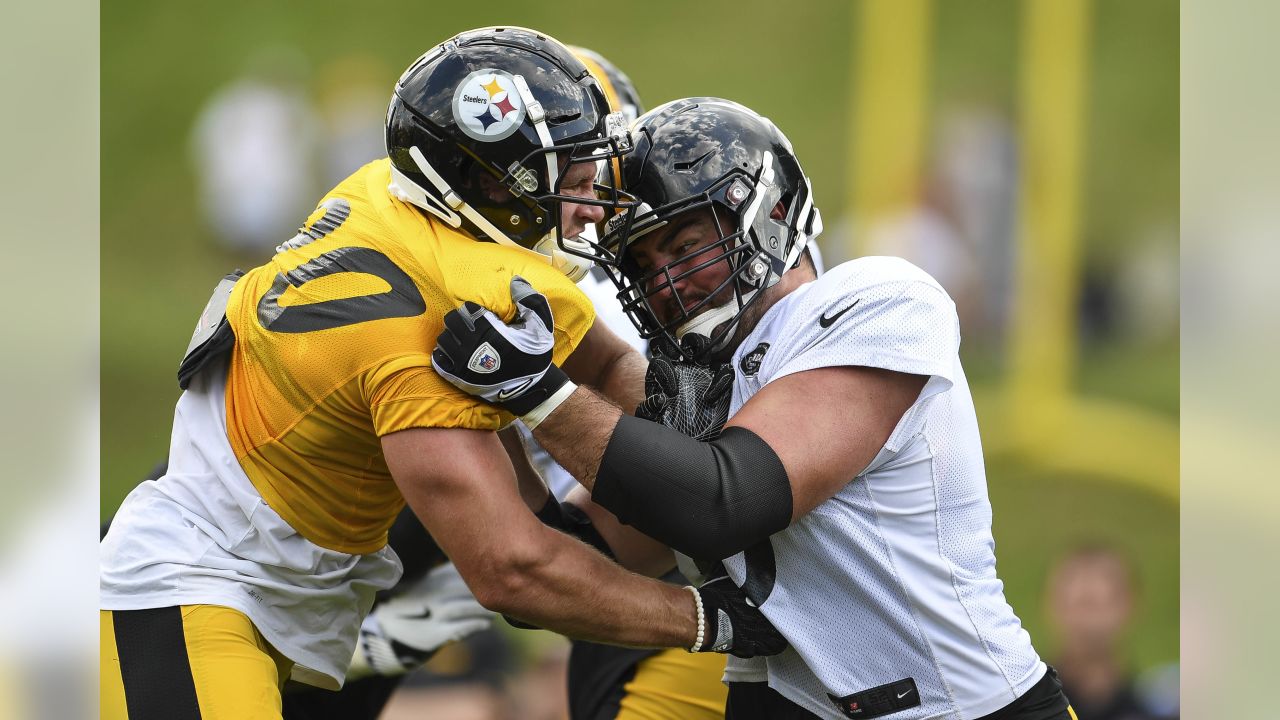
x=676, y=685
x=187, y=663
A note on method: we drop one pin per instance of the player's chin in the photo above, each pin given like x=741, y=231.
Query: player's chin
x=573, y=230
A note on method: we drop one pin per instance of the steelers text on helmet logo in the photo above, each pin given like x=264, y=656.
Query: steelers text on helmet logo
x=487, y=105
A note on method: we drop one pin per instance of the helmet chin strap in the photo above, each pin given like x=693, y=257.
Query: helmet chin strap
x=538, y=117
x=406, y=190
x=454, y=208
x=574, y=267
x=705, y=323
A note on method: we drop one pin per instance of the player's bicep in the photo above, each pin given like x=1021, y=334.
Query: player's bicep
x=461, y=485
x=605, y=361
x=826, y=425
x=403, y=393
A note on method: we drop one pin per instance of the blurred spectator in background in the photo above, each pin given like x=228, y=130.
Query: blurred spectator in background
x=960, y=228
x=253, y=146
x=975, y=169
x=1090, y=598
x=927, y=235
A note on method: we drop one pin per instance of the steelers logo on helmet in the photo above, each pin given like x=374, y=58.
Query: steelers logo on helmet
x=487, y=106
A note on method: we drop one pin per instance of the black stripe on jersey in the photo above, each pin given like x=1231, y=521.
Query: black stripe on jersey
x=403, y=300
x=336, y=212
x=154, y=665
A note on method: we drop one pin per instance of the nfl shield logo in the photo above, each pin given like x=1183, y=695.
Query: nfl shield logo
x=484, y=360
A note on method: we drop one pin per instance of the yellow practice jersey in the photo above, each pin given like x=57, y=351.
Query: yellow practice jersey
x=333, y=350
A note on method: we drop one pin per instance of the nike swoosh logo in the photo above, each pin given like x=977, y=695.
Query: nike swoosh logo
x=826, y=320
x=507, y=394
x=689, y=165
x=903, y=694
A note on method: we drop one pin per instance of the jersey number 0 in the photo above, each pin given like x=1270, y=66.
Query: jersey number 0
x=402, y=299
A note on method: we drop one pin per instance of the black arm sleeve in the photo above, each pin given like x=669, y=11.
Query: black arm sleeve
x=706, y=499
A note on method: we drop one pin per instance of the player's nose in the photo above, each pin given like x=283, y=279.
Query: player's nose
x=589, y=214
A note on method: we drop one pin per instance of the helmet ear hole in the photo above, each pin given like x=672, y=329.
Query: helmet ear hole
x=488, y=185
x=779, y=211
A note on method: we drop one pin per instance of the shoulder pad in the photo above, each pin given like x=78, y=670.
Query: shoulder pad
x=213, y=337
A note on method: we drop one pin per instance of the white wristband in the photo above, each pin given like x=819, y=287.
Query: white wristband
x=534, y=417
x=697, y=601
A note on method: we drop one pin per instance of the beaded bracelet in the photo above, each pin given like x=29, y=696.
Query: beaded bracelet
x=697, y=601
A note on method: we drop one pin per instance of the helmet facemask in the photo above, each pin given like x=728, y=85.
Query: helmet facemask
x=756, y=246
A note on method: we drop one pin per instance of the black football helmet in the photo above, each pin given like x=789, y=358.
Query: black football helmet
x=482, y=128
x=700, y=153
x=618, y=88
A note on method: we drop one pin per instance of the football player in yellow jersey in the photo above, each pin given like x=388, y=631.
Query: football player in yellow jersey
x=311, y=413
x=606, y=682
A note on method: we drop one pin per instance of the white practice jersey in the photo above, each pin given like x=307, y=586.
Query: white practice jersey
x=887, y=591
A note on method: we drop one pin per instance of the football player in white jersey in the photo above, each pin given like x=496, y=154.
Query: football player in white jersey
x=846, y=495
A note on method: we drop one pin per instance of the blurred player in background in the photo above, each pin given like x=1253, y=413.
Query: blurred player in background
x=254, y=150
x=846, y=495
x=310, y=414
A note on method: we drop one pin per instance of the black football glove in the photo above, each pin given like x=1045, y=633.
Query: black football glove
x=733, y=624
x=687, y=397
x=504, y=364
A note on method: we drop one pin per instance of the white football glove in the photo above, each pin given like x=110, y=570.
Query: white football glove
x=403, y=632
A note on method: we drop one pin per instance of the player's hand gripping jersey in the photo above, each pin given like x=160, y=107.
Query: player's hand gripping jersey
x=278, y=499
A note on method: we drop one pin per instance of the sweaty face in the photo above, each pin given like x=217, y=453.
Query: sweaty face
x=578, y=181
x=683, y=263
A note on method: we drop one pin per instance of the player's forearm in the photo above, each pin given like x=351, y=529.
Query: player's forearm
x=704, y=499
x=551, y=589
x=577, y=432
x=632, y=549
x=533, y=488
x=607, y=363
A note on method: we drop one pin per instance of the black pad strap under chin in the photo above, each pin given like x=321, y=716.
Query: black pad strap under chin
x=706, y=499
